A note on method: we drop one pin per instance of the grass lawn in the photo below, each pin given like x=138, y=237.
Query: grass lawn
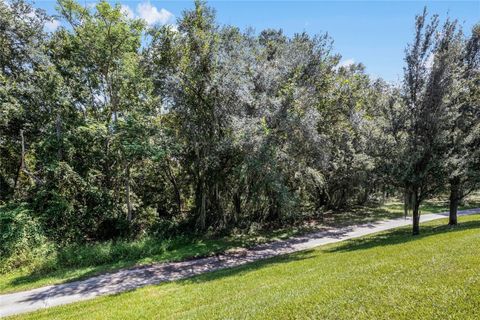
x=76, y=263
x=85, y=261
x=389, y=275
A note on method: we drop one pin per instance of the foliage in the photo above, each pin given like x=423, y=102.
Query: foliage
x=21, y=237
x=112, y=130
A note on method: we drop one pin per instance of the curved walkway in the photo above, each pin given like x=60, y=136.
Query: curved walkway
x=129, y=279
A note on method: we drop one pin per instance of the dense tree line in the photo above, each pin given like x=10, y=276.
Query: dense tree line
x=109, y=128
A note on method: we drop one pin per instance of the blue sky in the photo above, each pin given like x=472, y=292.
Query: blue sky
x=372, y=32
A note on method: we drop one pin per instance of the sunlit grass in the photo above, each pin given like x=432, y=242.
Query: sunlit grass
x=390, y=275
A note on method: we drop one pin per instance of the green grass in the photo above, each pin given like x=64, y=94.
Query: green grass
x=389, y=275
x=79, y=262
x=75, y=263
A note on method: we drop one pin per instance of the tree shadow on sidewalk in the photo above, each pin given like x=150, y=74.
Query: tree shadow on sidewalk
x=124, y=281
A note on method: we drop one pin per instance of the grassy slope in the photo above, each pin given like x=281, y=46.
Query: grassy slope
x=390, y=275
x=87, y=261
x=84, y=262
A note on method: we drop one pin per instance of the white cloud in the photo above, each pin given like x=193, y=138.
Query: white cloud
x=127, y=11
x=152, y=15
x=347, y=63
x=51, y=26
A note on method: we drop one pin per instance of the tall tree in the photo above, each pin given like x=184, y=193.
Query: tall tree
x=463, y=161
x=22, y=57
x=196, y=103
x=429, y=74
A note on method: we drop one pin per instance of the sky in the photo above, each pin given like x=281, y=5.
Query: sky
x=374, y=33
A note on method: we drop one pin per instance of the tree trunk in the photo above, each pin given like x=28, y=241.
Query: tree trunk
x=200, y=192
x=178, y=197
x=454, y=199
x=22, y=162
x=17, y=177
x=176, y=189
x=23, y=165
x=323, y=197
x=365, y=196
x=416, y=215
x=200, y=202
x=237, y=203
x=452, y=218
x=217, y=204
x=202, y=210
x=127, y=191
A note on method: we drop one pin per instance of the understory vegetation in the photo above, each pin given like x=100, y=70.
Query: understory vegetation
x=389, y=275
x=123, y=143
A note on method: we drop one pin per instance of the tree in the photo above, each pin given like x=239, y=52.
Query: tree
x=105, y=94
x=463, y=159
x=21, y=42
x=198, y=109
x=426, y=86
x=110, y=128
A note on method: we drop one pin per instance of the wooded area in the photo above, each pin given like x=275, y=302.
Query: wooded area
x=111, y=129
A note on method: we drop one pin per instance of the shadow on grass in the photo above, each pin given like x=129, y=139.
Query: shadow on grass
x=183, y=273
x=358, y=215
x=369, y=214
x=401, y=235
x=435, y=205
x=177, y=252
x=250, y=267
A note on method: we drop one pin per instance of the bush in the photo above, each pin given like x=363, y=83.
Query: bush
x=86, y=255
x=21, y=237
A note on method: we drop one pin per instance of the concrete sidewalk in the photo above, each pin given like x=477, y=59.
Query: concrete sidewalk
x=129, y=279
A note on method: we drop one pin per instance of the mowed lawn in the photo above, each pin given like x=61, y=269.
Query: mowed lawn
x=390, y=275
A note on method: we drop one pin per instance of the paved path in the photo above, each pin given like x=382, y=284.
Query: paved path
x=129, y=279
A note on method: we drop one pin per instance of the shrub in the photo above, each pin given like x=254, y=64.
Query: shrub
x=21, y=237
